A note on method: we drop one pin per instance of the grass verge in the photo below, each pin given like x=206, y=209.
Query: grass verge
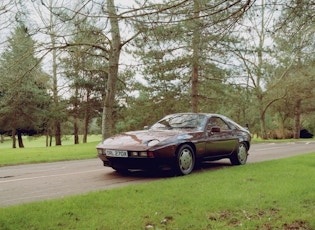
x=40, y=141
x=276, y=194
x=260, y=140
x=47, y=154
x=36, y=152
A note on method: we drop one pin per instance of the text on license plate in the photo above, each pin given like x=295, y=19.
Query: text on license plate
x=116, y=153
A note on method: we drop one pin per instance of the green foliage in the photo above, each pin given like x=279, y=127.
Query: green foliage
x=253, y=60
x=184, y=41
x=85, y=66
x=24, y=100
x=295, y=86
x=249, y=197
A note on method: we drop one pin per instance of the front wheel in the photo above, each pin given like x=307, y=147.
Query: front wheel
x=240, y=156
x=185, y=160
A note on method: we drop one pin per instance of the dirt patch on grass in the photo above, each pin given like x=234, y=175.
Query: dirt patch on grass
x=269, y=219
x=297, y=225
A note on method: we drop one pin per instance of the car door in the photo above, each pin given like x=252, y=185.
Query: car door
x=221, y=139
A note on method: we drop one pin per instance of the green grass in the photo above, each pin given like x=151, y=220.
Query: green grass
x=40, y=141
x=276, y=194
x=33, y=153
x=260, y=140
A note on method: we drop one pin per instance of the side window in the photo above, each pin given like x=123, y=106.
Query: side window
x=223, y=125
x=217, y=122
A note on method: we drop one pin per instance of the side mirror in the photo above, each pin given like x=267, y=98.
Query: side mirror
x=146, y=127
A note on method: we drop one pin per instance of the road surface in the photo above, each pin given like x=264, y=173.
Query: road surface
x=34, y=182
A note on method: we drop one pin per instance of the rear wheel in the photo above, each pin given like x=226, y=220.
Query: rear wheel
x=185, y=160
x=240, y=156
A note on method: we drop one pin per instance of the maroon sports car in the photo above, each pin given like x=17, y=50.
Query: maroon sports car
x=178, y=141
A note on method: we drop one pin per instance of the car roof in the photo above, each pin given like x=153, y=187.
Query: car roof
x=206, y=114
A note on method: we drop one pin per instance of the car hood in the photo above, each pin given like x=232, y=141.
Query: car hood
x=139, y=140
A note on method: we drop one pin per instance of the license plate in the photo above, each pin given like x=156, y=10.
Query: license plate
x=116, y=153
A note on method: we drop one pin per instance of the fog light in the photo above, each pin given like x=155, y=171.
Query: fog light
x=100, y=151
x=134, y=154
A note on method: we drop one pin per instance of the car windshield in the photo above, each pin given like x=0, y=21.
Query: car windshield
x=181, y=121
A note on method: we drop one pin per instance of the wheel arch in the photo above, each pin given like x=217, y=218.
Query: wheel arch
x=192, y=145
x=247, y=144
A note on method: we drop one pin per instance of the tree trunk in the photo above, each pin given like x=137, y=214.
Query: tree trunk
x=50, y=140
x=195, y=61
x=20, y=140
x=86, y=128
x=282, y=120
x=76, y=131
x=259, y=91
x=58, y=133
x=86, y=117
x=263, y=126
x=297, y=119
x=114, y=54
x=57, y=125
x=76, y=116
x=13, y=138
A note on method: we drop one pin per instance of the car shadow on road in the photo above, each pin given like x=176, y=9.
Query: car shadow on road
x=168, y=172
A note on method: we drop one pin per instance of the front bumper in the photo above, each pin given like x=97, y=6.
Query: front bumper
x=144, y=163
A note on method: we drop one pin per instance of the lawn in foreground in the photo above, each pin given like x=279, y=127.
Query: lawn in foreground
x=277, y=194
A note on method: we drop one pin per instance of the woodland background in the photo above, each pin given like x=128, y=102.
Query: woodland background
x=94, y=66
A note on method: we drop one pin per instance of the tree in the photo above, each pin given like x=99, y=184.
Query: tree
x=254, y=52
x=295, y=39
x=52, y=35
x=106, y=18
x=181, y=46
x=50, y=27
x=203, y=56
x=23, y=98
x=86, y=70
x=113, y=63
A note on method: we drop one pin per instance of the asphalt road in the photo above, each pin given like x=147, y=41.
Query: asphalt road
x=35, y=182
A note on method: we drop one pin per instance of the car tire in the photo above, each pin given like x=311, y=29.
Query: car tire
x=240, y=156
x=185, y=160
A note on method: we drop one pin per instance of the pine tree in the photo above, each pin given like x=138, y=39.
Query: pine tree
x=182, y=48
x=24, y=99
